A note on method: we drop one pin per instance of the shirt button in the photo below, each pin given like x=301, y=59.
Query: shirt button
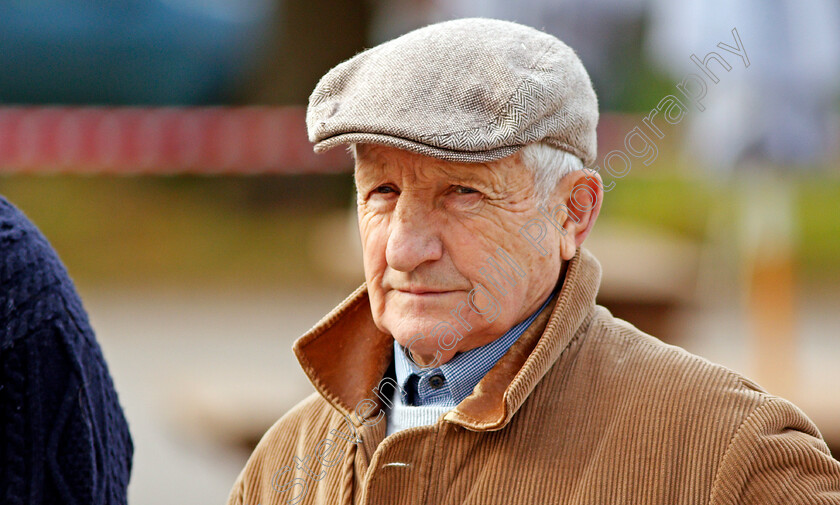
x=436, y=381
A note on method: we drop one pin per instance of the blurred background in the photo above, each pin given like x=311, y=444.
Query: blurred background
x=160, y=145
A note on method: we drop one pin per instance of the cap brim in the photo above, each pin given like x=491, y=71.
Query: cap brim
x=417, y=147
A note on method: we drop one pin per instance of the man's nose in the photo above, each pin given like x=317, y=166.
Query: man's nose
x=413, y=237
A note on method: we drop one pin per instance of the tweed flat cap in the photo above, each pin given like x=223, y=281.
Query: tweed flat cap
x=470, y=90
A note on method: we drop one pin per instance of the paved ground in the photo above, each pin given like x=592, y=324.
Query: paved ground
x=192, y=365
x=171, y=352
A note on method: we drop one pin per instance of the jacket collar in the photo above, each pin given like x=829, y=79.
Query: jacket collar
x=345, y=355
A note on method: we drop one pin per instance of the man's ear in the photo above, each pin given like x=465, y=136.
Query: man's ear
x=582, y=195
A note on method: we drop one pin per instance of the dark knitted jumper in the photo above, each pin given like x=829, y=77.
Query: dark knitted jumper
x=63, y=436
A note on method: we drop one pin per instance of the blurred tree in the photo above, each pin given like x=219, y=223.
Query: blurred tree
x=307, y=43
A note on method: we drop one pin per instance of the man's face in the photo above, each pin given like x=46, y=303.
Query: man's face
x=428, y=228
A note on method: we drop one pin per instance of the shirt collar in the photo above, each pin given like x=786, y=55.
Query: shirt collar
x=462, y=372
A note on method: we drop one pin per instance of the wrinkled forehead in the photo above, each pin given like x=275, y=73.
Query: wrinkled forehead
x=377, y=161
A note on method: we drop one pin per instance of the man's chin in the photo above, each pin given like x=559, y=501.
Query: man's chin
x=410, y=335
x=424, y=352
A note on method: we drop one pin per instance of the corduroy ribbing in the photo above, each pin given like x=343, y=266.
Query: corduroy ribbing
x=595, y=411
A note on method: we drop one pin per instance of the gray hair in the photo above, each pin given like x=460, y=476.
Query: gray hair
x=548, y=164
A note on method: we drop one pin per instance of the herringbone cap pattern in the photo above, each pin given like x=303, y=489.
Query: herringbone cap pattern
x=470, y=90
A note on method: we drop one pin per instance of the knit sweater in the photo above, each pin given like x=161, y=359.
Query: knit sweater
x=63, y=436
x=402, y=416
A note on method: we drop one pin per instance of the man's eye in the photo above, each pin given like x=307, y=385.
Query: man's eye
x=384, y=189
x=464, y=190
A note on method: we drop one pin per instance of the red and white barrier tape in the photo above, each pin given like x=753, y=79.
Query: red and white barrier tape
x=155, y=140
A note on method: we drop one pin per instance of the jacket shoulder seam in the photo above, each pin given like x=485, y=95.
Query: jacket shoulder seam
x=743, y=382
x=766, y=400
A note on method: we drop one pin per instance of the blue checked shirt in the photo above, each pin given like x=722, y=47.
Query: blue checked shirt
x=448, y=384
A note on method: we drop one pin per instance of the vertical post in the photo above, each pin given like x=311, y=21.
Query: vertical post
x=768, y=248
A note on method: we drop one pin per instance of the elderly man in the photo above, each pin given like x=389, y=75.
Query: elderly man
x=473, y=366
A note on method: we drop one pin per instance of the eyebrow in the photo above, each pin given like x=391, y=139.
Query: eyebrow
x=471, y=178
x=375, y=168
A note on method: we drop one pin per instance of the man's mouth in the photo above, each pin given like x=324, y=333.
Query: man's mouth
x=424, y=291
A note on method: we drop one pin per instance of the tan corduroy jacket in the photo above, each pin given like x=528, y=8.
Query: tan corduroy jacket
x=583, y=409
